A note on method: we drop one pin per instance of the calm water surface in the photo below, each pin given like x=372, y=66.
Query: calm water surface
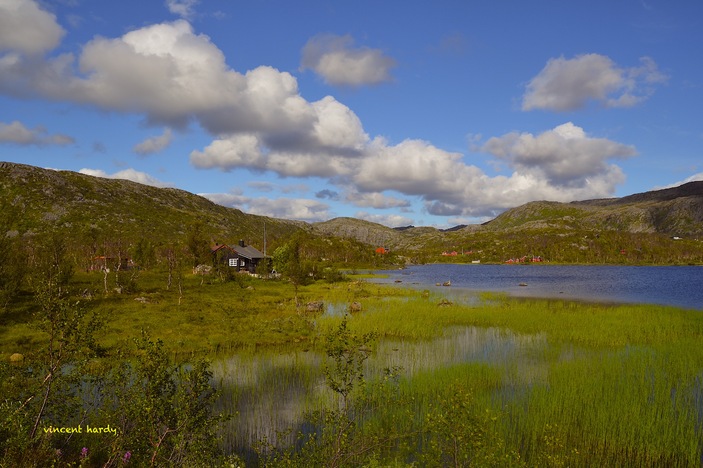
x=680, y=286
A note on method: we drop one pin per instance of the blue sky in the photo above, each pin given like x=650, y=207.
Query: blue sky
x=431, y=113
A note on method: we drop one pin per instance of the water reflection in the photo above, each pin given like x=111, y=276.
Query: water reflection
x=271, y=392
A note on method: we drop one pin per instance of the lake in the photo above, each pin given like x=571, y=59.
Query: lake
x=680, y=286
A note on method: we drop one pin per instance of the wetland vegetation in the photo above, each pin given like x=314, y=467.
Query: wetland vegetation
x=241, y=371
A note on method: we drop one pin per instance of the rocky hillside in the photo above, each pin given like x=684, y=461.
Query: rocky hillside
x=36, y=201
x=676, y=211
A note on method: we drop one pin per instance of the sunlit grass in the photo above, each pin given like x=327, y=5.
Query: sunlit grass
x=595, y=385
x=566, y=382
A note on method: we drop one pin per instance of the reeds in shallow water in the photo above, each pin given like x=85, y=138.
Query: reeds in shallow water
x=562, y=382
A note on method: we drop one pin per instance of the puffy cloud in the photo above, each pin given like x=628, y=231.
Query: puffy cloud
x=564, y=156
x=248, y=151
x=271, y=187
x=287, y=208
x=127, y=174
x=164, y=70
x=234, y=152
x=694, y=178
x=568, y=84
x=15, y=132
x=154, y=144
x=391, y=220
x=338, y=62
x=327, y=194
x=376, y=200
x=182, y=8
x=260, y=122
x=174, y=75
x=561, y=164
x=413, y=167
x=26, y=28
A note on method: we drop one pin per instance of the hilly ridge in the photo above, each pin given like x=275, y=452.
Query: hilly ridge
x=676, y=211
x=36, y=200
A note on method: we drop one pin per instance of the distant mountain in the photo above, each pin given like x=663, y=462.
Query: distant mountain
x=363, y=231
x=36, y=201
x=676, y=211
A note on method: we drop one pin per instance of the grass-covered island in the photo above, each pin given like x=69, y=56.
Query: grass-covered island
x=91, y=375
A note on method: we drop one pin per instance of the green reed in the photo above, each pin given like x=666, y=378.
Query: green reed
x=570, y=382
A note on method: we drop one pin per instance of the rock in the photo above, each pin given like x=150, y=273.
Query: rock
x=315, y=306
x=445, y=303
x=355, y=307
x=447, y=283
x=202, y=269
x=16, y=357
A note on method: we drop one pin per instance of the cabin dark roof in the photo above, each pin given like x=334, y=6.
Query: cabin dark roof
x=248, y=252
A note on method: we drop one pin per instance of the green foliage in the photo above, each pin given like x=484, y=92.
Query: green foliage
x=198, y=245
x=163, y=412
x=459, y=433
x=348, y=352
x=598, y=385
x=144, y=254
x=42, y=392
x=13, y=268
x=289, y=260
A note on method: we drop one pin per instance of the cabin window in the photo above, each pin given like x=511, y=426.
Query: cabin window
x=233, y=262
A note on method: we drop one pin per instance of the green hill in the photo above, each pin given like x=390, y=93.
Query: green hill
x=37, y=201
x=676, y=211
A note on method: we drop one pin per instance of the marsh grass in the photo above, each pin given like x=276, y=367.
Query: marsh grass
x=555, y=382
x=569, y=383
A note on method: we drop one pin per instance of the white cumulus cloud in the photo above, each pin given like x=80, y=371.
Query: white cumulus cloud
x=154, y=144
x=26, y=28
x=569, y=84
x=562, y=164
x=183, y=8
x=174, y=77
x=338, y=62
x=390, y=220
x=564, y=156
x=16, y=132
x=301, y=209
x=376, y=200
x=127, y=174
